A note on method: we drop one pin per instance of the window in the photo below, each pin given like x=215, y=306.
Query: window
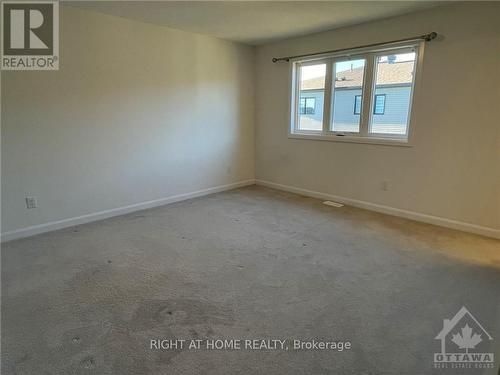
x=358, y=95
x=307, y=106
x=394, y=76
x=357, y=105
x=311, y=97
x=379, y=107
x=348, y=77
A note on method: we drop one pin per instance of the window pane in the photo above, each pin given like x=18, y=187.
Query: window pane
x=312, y=92
x=392, y=94
x=347, y=92
x=379, y=106
x=302, y=105
x=357, y=104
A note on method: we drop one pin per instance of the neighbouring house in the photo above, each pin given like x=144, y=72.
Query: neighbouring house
x=391, y=105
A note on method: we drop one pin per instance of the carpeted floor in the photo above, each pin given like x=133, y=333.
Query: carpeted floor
x=251, y=263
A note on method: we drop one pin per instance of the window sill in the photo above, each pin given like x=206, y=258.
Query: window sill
x=352, y=139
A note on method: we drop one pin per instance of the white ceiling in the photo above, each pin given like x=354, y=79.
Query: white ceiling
x=255, y=22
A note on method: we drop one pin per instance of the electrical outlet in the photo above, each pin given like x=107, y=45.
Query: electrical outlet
x=31, y=202
x=385, y=185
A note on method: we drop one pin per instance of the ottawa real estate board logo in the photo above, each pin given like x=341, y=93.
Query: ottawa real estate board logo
x=464, y=343
x=30, y=35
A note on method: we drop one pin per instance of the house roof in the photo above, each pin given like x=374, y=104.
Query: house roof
x=387, y=74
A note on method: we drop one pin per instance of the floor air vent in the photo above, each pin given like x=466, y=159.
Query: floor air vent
x=333, y=204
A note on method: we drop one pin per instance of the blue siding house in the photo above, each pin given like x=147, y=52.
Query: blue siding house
x=391, y=103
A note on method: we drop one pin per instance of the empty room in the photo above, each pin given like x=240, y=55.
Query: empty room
x=250, y=187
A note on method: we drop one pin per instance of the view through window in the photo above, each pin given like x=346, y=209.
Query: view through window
x=381, y=81
x=312, y=92
x=348, y=86
x=393, y=86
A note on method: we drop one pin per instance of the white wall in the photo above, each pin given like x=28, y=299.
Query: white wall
x=136, y=112
x=453, y=169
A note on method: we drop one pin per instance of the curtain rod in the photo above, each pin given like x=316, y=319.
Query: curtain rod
x=426, y=37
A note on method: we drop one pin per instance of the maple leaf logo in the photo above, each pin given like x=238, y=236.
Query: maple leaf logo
x=466, y=340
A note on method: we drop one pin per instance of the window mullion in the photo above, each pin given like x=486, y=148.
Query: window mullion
x=327, y=97
x=367, y=94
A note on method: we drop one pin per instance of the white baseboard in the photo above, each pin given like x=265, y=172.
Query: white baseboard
x=60, y=224
x=430, y=219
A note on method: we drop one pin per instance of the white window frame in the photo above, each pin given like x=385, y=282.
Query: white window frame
x=295, y=96
x=368, y=94
x=328, y=129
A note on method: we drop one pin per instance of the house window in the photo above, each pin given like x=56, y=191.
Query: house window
x=357, y=104
x=307, y=106
x=324, y=90
x=379, y=104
